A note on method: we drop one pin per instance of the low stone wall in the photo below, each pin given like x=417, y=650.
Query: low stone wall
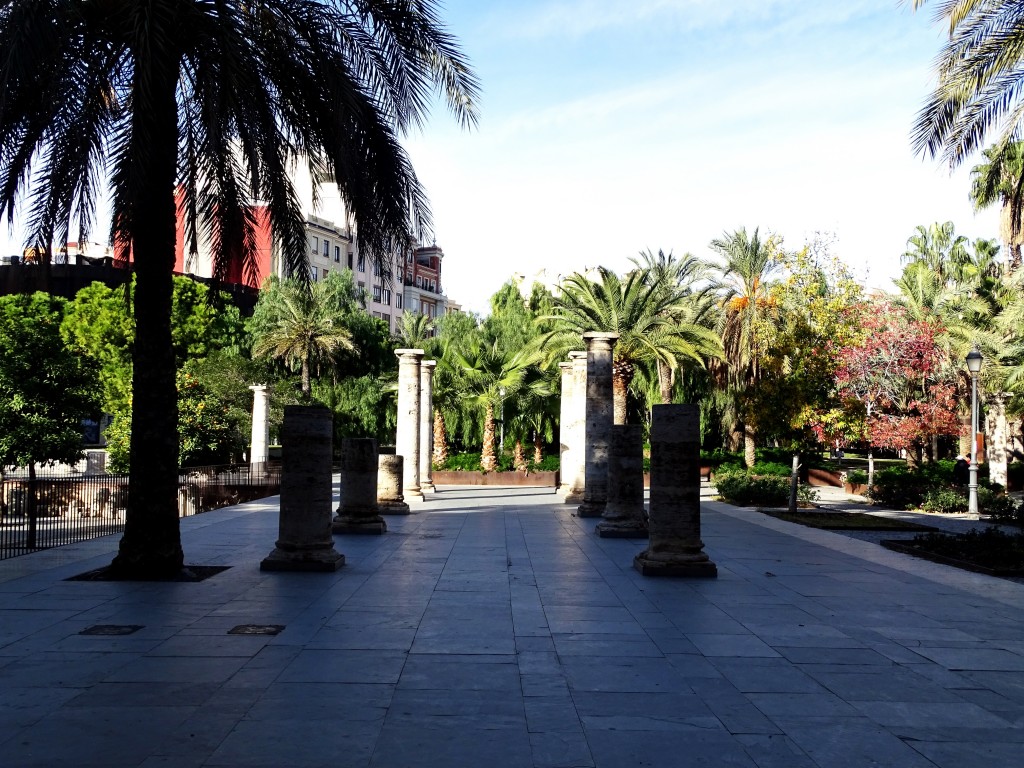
x=512, y=479
x=824, y=477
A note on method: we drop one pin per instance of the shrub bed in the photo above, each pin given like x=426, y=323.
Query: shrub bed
x=990, y=549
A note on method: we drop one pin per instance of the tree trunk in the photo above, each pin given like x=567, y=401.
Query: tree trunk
x=734, y=440
x=306, y=387
x=519, y=457
x=749, y=444
x=538, y=448
x=622, y=376
x=665, y=382
x=440, y=457
x=997, y=428
x=151, y=545
x=488, y=463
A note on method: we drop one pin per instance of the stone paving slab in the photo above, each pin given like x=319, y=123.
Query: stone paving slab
x=495, y=629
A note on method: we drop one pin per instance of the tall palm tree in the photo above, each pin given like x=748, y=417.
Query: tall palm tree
x=650, y=325
x=301, y=326
x=748, y=320
x=938, y=246
x=205, y=107
x=688, y=278
x=414, y=330
x=1001, y=180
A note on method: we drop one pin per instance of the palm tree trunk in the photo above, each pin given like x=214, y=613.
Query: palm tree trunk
x=538, y=448
x=519, y=457
x=151, y=545
x=440, y=457
x=665, y=381
x=487, y=460
x=306, y=388
x=622, y=376
x=749, y=444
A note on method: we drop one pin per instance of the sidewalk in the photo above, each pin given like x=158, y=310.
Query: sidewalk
x=495, y=629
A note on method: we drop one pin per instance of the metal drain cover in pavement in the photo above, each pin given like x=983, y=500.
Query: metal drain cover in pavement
x=111, y=629
x=256, y=629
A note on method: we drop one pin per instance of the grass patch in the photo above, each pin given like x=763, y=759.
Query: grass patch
x=846, y=521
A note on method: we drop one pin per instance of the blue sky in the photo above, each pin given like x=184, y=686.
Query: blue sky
x=608, y=127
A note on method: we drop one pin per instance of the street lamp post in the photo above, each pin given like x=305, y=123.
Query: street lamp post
x=974, y=366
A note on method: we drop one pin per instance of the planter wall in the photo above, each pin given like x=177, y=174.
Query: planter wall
x=858, y=489
x=824, y=477
x=511, y=479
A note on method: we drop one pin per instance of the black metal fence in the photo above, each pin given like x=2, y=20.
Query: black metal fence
x=53, y=511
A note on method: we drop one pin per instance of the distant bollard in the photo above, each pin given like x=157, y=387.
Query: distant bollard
x=357, y=489
x=390, y=500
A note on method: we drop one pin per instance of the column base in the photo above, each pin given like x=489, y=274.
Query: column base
x=692, y=566
x=365, y=526
x=428, y=488
x=570, y=496
x=393, y=508
x=590, y=509
x=319, y=561
x=621, y=530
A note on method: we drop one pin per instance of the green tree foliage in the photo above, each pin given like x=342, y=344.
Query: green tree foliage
x=99, y=322
x=46, y=389
x=208, y=435
x=204, y=108
x=1000, y=179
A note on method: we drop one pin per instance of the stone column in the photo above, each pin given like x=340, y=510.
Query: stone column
x=260, y=438
x=304, y=541
x=357, y=488
x=598, y=425
x=390, y=500
x=565, y=429
x=574, y=473
x=407, y=436
x=675, y=547
x=427, y=424
x=996, y=446
x=624, y=515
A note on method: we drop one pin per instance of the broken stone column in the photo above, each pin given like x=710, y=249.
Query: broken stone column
x=357, y=488
x=573, y=473
x=260, y=435
x=407, y=435
x=390, y=500
x=675, y=547
x=304, y=540
x=598, y=423
x=624, y=514
x=427, y=425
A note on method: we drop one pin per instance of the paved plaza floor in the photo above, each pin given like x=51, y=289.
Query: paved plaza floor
x=495, y=629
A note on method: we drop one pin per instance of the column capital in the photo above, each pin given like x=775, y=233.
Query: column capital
x=258, y=387
x=577, y=355
x=565, y=366
x=600, y=339
x=409, y=355
x=428, y=365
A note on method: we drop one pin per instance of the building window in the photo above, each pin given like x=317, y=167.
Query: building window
x=387, y=319
x=428, y=310
x=315, y=242
x=413, y=303
x=361, y=263
x=385, y=296
x=312, y=273
x=433, y=286
x=350, y=259
x=324, y=274
x=327, y=248
x=337, y=253
x=398, y=301
x=419, y=281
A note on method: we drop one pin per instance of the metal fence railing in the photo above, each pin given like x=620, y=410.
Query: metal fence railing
x=56, y=510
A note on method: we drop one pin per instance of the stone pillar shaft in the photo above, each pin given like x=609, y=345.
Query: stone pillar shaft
x=260, y=437
x=624, y=512
x=599, y=418
x=357, y=488
x=576, y=472
x=675, y=547
x=565, y=457
x=427, y=424
x=390, y=500
x=407, y=435
x=304, y=541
